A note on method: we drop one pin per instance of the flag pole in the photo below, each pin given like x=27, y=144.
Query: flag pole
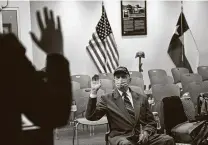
x=182, y=32
x=105, y=37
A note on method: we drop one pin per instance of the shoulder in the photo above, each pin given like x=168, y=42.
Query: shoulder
x=139, y=96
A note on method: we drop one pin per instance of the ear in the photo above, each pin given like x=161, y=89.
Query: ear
x=129, y=80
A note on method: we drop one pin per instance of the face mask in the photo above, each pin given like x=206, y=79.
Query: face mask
x=121, y=84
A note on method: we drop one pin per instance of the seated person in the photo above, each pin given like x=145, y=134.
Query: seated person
x=129, y=117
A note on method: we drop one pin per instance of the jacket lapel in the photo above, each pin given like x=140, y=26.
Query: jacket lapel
x=120, y=104
x=136, y=103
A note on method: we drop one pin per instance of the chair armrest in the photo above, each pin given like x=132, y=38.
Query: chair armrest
x=106, y=136
x=157, y=119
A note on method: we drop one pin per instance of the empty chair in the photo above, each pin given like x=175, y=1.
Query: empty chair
x=106, y=76
x=203, y=71
x=136, y=74
x=139, y=82
x=159, y=92
x=195, y=88
x=161, y=80
x=84, y=80
x=156, y=72
x=75, y=85
x=186, y=79
x=177, y=72
x=107, y=85
x=81, y=97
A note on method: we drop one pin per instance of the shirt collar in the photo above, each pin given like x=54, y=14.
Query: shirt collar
x=127, y=92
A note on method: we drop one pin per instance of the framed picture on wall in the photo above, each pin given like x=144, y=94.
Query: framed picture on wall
x=133, y=18
x=7, y=28
x=10, y=21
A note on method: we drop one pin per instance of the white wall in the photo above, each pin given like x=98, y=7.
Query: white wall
x=24, y=23
x=79, y=19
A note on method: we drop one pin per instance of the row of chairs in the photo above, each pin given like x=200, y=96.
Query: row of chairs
x=161, y=91
x=156, y=76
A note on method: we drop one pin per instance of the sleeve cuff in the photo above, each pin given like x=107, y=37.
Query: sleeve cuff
x=93, y=95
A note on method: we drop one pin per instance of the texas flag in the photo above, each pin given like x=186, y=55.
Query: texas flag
x=182, y=48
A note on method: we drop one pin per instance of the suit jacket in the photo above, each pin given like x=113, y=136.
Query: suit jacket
x=23, y=90
x=120, y=122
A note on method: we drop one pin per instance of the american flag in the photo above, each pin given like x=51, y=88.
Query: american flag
x=102, y=47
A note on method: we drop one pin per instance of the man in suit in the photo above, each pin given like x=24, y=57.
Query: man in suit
x=23, y=90
x=128, y=113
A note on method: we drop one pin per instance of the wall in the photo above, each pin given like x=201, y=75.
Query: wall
x=24, y=23
x=79, y=19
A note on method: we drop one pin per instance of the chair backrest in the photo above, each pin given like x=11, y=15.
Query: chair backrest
x=156, y=72
x=186, y=79
x=204, y=86
x=81, y=98
x=203, y=71
x=161, y=80
x=136, y=74
x=195, y=88
x=106, y=76
x=139, y=82
x=84, y=80
x=138, y=90
x=75, y=85
x=160, y=91
x=106, y=85
x=177, y=72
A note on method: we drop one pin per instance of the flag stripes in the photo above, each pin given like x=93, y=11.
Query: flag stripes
x=102, y=48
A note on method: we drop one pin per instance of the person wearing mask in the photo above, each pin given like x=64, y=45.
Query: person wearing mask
x=128, y=113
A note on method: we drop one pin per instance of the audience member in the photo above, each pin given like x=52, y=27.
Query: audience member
x=45, y=103
x=128, y=113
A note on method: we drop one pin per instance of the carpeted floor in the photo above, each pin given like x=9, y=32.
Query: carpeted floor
x=66, y=134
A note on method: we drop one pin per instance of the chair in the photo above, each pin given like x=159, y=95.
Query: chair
x=81, y=97
x=195, y=88
x=177, y=72
x=84, y=80
x=186, y=79
x=139, y=82
x=106, y=76
x=203, y=71
x=75, y=85
x=156, y=72
x=161, y=80
x=160, y=91
x=107, y=85
x=136, y=74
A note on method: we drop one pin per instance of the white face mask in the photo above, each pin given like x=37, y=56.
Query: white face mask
x=122, y=82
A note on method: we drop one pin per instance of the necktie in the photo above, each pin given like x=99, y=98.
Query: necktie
x=129, y=106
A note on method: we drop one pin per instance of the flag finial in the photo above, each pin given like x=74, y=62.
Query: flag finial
x=181, y=6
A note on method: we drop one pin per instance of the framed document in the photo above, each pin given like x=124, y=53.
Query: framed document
x=9, y=21
x=133, y=18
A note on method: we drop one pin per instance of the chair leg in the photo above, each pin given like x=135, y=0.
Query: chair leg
x=90, y=130
x=75, y=133
x=93, y=130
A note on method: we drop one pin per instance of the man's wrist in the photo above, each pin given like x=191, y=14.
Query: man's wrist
x=93, y=95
